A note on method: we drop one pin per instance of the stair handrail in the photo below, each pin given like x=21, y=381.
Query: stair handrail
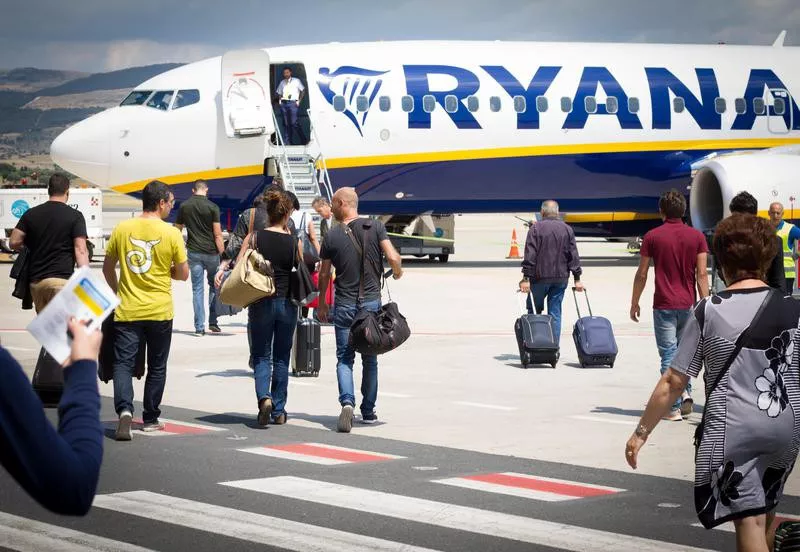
x=284, y=158
x=319, y=162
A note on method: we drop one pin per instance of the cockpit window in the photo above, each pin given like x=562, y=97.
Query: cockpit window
x=137, y=97
x=186, y=97
x=161, y=100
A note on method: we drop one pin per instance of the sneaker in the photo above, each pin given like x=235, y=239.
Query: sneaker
x=345, y=419
x=149, y=427
x=279, y=419
x=124, y=426
x=674, y=415
x=199, y=333
x=264, y=411
x=687, y=405
x=213, y=328
x=370, y=418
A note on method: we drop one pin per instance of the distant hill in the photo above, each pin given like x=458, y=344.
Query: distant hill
x=125, y=78
x=30, y=79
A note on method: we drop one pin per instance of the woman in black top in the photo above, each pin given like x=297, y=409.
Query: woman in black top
x=272, y=320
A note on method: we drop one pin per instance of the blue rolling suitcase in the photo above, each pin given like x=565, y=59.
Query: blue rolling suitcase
x=594, y=338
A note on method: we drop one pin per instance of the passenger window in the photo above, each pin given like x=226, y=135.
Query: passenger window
x=612, y=105
x=495, y=104
x=385, y=103
x=428, y=103
x=161, y=100
x=362, y=104
x=339, y=103
x=780, y=106
x=720, y=106
x=450, y=103
x=541, y=104
x=185, y=98
x=566, y=104
x=473, y=103
x=137, y=97
x=520, y=104
x=740, y=106
x=407, y=104
x=633, y=104
x=590, y=104
x=678, y=104
x=759, y=106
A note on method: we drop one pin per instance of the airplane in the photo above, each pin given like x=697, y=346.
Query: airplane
x=420, y=127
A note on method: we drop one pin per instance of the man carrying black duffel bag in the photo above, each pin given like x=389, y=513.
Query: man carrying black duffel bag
x=354, y=293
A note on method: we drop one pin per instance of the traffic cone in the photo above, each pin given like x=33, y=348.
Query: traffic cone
x=514, y=252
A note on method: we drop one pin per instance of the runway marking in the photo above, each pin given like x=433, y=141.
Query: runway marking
x=603, y=420
x=489, y=406
x=317, y=453
x=529, y=486
x=20, y=349
x=171, y=428
x=451, y=516
x=27, y=535
x=729, y=528
x=302, y=383
x=395, y=395
x=243, y=525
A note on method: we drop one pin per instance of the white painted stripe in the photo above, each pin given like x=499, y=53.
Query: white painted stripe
x=394, y=395
x=302, y=383
x=189, y=424
x=286, y=455
x=521, y=492
x=21, y=349
x=359, y=451
x=488, y=406
x=564, y=481
x=248, y=526
x=461, y=518
x=27, y=535
x=604, y=420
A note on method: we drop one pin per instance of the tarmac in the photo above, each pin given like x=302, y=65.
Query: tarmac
x=471, y=451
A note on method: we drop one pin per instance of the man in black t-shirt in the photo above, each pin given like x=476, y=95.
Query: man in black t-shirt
x=339, y=250
x=55, y=235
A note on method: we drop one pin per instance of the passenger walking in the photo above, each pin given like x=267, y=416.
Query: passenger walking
x=301, y=223
x=679, y=254
x=55, y=235
x=551, y=255
x=204, y=244
x=272, y=320
x=790, y=237
x=323, y=208
x=150, y=253
x=343, y=249
x=748, y=339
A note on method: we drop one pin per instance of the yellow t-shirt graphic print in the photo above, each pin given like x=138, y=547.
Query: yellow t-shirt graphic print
x=147, y=249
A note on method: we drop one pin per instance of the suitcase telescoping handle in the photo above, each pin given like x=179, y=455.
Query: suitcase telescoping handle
x=577, y=308
x=523, y=308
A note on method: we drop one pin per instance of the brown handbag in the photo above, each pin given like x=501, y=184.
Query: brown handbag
x=251, y=279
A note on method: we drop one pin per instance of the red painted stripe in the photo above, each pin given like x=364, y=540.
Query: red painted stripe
x=333, y=454
x=565, y=489
x=175, y=428
x=244, y=74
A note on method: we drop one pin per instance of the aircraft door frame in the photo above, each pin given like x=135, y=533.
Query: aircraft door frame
x=778, y=123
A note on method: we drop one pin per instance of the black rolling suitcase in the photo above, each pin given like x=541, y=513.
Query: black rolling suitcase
x=535, y=339
x=48, y=380
x=594, y=338
x=105, y=362
x=307, y=348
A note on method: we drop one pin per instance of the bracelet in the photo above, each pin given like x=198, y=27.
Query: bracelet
x=642, y=431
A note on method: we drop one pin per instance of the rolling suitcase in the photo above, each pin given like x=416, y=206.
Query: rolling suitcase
x=594, y=338
x=307, y=348
x=105, y=361
x=48, y=380
x=535, y=339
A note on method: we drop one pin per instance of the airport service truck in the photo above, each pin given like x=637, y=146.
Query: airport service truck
x=89, y=201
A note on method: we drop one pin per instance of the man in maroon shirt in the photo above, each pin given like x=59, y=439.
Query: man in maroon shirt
x=679, y=255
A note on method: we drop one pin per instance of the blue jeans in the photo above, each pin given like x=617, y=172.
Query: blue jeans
x=346, y=357
x=127, y=336
x=668, y=325
x=199, y=263
x=290, y=123
x=272, y=322
x=555, y=296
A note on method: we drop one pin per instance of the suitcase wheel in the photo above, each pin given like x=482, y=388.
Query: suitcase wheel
x=316, y=374
x=553, y=364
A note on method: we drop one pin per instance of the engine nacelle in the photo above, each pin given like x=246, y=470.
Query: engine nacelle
x=768, y=176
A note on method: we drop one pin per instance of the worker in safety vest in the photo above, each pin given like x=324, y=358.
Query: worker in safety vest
x=790, y=236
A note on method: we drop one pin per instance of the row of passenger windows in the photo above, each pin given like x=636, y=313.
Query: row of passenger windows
x=590, y=103
x=162, y=100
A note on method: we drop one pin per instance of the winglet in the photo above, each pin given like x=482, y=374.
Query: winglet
x=779, y=41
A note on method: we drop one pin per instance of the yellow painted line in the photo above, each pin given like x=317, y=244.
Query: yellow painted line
x=424, y=238
x=213, y=174
x=610, y=217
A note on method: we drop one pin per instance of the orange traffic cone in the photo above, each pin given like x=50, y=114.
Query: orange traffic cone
x=514, y=252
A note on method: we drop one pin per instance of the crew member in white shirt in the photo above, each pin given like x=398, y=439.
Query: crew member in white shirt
x=290, y=93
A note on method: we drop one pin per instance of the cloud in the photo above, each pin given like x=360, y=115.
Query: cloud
x=130, y=53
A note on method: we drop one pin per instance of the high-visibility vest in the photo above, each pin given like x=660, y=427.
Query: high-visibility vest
x=788, y=261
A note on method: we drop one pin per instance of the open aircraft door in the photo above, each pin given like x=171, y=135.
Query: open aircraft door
x=246, y=98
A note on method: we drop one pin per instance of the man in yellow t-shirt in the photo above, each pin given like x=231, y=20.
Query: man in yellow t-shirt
x=151, y=254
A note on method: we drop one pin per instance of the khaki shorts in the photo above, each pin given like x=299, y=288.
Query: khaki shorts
x=43, y=291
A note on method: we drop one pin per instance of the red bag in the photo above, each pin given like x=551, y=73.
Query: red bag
x=328, y=293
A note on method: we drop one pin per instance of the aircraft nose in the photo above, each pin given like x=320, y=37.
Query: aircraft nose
x=83, y=148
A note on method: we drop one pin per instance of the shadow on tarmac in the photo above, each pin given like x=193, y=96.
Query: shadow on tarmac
x=586, y=262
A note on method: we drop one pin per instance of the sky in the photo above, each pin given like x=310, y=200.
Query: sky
x=105, y=35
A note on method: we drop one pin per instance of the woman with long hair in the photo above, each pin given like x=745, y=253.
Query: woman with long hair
x=748, y=340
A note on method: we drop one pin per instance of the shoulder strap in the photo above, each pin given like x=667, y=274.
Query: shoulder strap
x=349, y=232
x=252, y=220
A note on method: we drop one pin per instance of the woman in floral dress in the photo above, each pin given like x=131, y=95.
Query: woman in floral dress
x=751, y=434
